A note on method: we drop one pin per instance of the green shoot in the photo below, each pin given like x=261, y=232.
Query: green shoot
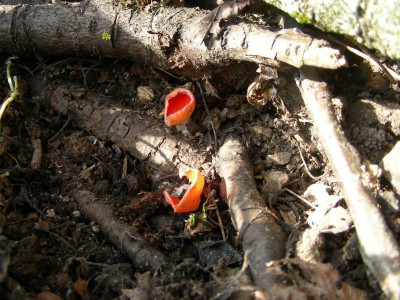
x=13, y=83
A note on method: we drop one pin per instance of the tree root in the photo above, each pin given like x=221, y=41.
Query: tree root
x=166, y=37
x=262, y=238
x=143, y=257
x=146, y=139
x=380, y=251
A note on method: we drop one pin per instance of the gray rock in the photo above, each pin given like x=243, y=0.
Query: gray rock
x=391, y=167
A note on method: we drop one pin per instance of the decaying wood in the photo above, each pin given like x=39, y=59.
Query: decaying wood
x=375, y=24
x=262, y=238
x=380, y=250
x=166, y=37
x=143, y=257
x=143, y=137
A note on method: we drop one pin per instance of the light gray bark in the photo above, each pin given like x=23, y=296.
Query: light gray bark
x=373, y=23
x=165, y=37
x=379, y=248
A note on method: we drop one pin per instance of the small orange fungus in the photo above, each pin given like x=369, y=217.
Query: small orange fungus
x=179, y=106
x=191, y=199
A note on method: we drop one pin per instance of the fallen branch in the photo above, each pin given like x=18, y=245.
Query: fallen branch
x=143, y=137
x=143, y=257
x=166, y=37
x=379, y=249
x=262, y=238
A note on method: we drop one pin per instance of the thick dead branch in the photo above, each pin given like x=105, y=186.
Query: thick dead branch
x=375, y=24
x=167, y=37
x=380, y=250
x=262, y=238
x=145, y=138
x=143, y=257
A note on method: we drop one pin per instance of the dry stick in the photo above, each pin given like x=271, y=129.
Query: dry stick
x=301, y=198
x=369, y=57
x=262, y=238
x=168, y=36
x=379, y=249
x=143, y=137
x=143, y=257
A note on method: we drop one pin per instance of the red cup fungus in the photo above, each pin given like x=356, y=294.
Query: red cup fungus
x=191, y=199
x=179, y=106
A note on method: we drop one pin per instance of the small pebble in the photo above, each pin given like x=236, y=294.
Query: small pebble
x=390, y=165
x=275, y=181
x=145, y=94
x=50, y=213
x=47, y=296
x=279, y=158
x=95, y=228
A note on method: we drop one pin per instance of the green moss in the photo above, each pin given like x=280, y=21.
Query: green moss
x=302, y=18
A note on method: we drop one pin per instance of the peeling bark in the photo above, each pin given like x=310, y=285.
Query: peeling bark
x=379, y=249
x=144, y=138
x=167, y=38
x=262, y=238
x=143, y=257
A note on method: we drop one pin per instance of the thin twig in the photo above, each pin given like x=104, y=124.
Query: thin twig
x=61, y=130
x=14, y=141
x=220, y=224
x=365, y=54
x=209, y=116
x=301, y=198
x=306, y=167
x=24, y=193
x=168, y=73
x=57, y=237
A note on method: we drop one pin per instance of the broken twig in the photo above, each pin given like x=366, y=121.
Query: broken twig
x=262, y=238
x=143, y=137
x=379, y=249
x=143, y=257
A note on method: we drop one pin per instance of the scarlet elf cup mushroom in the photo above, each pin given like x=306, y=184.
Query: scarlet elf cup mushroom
x=191, y=199
x=179, y=106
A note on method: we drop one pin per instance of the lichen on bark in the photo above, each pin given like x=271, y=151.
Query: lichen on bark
x=373, y=23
